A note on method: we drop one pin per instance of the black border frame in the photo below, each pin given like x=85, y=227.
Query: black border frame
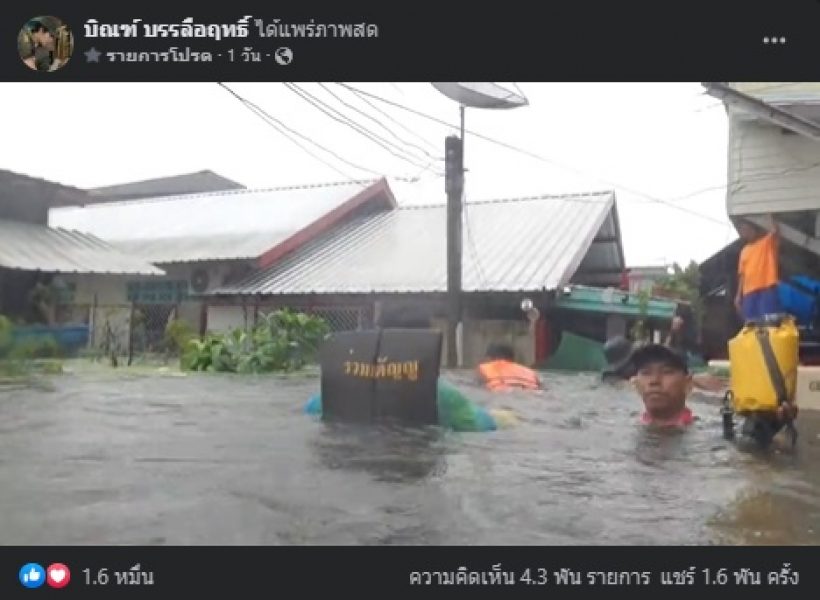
x=582, y=40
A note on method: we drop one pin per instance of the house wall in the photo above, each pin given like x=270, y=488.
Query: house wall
x=769, y=171
x=478, y=334
x=102, y=300
x=484, y=321
x=222, y=319
x=99, y=300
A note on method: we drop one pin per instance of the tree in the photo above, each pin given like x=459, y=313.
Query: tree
x=683, y=284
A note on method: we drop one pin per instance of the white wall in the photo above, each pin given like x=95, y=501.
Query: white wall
x=223, y=318
x=110, y=289
x=770, y=171
x=478, y=334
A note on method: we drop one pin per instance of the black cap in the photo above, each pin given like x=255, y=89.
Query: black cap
x=643, y=354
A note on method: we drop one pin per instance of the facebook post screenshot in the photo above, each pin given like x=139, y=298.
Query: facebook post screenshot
x=277, y=312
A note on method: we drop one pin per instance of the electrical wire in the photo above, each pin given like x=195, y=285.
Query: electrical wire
x=632, y=191
x=324, y=108
x=279, y=126
x=380, y=124
x=482, y=280
x=387, y=115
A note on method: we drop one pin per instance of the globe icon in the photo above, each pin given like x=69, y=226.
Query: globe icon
x=284, y=56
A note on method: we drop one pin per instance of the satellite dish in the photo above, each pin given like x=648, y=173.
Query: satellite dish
x=481, y=94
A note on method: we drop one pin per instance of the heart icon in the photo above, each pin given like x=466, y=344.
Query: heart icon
x=58, y=575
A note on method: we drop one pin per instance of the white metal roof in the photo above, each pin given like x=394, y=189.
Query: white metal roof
x=508, y=245
x=232, y=224
x=29, y=247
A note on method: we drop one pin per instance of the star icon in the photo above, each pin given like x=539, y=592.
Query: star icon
x=92, y=55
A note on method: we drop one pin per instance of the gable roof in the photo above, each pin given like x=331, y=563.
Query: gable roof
x=236, y=224
x=29, y=247
x=189, y=183
x=508, y=245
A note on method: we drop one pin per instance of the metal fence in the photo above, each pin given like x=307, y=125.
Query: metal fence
x=124, y=329
x=148, y=325
x=339, y=318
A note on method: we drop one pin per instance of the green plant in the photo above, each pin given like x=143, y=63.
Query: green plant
x=684, y=284
x=6, y=337
x=41, y=347
x=177, y=335
x=639, y=331
x=282, y=341
x=43, y=298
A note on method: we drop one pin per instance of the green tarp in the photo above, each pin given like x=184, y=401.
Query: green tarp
x=577, y=353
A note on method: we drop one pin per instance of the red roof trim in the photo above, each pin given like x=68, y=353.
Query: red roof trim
x=328, y=221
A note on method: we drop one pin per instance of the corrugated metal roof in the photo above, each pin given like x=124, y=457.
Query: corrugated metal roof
x=28, y=247
x=236, y=224
x=509, y=245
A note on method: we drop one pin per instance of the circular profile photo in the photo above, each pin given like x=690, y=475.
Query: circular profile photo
x=45, y=44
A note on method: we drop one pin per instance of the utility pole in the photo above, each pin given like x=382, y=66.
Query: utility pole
x=454, y=186
x=476, y=95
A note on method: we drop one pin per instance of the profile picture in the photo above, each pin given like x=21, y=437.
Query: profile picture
x=45, y=44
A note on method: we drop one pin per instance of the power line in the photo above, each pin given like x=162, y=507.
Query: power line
x=405, y=155
x=315, y=102
x=482, y=280
x=540, y=158
x=382, y=125
x=386, y=114
x=273, y=122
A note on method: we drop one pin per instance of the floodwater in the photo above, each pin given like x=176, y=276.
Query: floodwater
x=115, y=458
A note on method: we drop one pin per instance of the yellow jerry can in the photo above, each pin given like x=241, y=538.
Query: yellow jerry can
x=763, y=360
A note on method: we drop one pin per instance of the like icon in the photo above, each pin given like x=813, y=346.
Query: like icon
x=32, y=575
x=58, y=575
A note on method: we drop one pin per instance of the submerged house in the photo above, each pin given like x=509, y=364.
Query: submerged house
x=347, y=251
x=773, y=168
x=536, y=248
x=774, y=163
x=31, y=253
x=204, y=241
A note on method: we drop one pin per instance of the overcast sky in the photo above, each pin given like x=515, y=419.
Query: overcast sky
x=665, y=141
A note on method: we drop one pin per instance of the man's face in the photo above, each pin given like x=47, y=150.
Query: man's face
x=748, y=232
x=44, y=38
x=663, y=388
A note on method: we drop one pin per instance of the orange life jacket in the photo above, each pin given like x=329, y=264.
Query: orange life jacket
x=501, y=375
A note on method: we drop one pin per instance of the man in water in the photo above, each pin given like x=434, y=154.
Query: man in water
x=618, y=352
x=757, y=272
x=663, y=381
x=499, y=372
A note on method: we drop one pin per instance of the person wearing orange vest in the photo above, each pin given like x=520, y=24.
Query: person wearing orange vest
x=499, y=372
x=757, y=272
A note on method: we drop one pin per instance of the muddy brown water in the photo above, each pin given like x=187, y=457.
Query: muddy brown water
x=118, y=458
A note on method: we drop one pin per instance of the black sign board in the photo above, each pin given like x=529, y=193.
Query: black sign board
x=388, y=374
